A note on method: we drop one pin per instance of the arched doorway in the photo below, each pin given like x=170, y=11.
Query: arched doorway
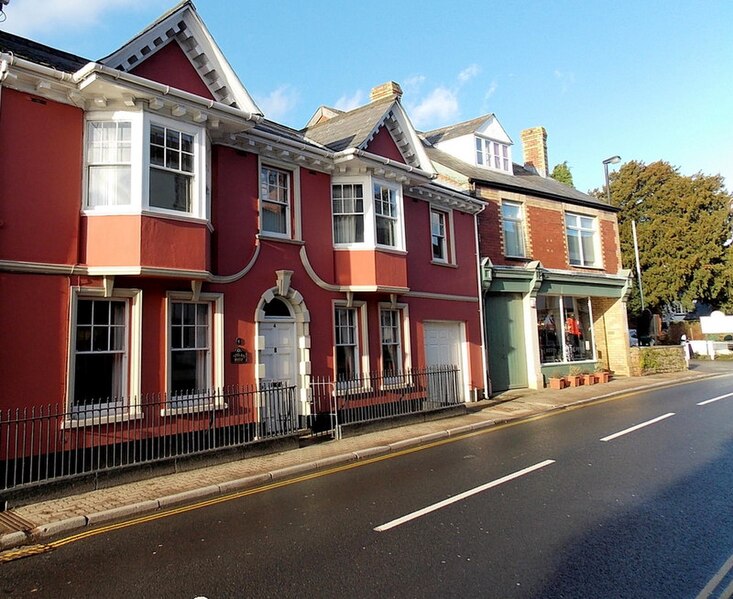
x=277, y=352
x=283, y=354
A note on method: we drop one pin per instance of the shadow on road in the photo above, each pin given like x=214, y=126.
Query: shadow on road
x=670, y=546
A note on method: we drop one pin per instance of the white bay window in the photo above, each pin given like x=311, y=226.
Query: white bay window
x=138, y=162
x=366, y=220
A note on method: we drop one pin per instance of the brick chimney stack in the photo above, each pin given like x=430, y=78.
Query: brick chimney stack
x=385, y=91
x=534, y=144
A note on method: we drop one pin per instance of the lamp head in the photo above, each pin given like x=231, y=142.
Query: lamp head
x=612, y=160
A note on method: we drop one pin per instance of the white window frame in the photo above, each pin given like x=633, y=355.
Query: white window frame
x=580, y=229
x=291, y=208
x=405, y=355
x=129, y=407
x=397, y=218
x=520, y=223
x=361, y=359
x=492, y=154
x=448, y=244
x=140, y=166
x=215, y=364
x=355, y=213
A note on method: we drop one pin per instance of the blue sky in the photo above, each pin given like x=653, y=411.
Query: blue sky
x=647, y=80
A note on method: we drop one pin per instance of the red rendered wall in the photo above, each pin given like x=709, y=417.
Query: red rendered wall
x=423, y=275
x=171, y=66
x=234, y=209
x=34, y=323
x=384, y=145
x=40, y=179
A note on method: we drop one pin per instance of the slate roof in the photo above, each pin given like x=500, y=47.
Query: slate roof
x=350, y=129
x=459, y=129
x=523, y=181
x=40, y=54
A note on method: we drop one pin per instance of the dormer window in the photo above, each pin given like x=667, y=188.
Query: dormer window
x=493, y=154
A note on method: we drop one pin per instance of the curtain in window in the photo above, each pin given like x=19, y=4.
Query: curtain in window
x=108, y=160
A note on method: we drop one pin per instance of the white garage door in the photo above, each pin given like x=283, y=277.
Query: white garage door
x=444, y=346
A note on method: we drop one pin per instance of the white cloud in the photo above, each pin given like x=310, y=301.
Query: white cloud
x=31, y=17
x=279, y=102
x=439, y=107
x=566, y=79
x=347, y=103
x=412, y=85
x=492, y=89
x=468, y=73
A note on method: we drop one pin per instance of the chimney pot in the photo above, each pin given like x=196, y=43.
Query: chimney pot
x=386, y=90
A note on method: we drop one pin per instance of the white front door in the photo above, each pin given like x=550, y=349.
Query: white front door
x=444, y=346
x=277, y=356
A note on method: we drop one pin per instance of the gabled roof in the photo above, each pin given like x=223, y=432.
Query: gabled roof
x=356, y=128
x=40, y=54
x=523, y=181
x=183, y=25
x=458, y=130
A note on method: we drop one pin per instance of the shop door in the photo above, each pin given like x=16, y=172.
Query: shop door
x=505, y=337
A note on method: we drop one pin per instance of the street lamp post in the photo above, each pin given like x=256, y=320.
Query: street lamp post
x=606, y=162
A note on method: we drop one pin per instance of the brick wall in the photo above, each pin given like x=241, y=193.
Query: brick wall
x=547, y=233
x=610, y=246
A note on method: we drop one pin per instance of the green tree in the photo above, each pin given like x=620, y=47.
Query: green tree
x=682, y=225
x=562, y=173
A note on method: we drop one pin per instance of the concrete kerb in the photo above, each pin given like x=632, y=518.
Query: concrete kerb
x=16, y=539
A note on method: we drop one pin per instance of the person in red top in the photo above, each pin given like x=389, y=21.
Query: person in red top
x=572, y=329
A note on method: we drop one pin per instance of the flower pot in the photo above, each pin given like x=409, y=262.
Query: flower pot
x=557, y=382
x=589, y=378
x=603, y=376
x=575, y=380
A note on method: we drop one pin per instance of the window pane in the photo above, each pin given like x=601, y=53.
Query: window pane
x=171, y=191
x=157, y=135
x=385, y=231
x=274, y=218
x=172, y=139
x=573, y=248
x=550, y=330
x=172, y=159
x=184, y=372
x=84, y=312
x=97, y=378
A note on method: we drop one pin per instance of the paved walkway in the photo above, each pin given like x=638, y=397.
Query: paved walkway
x=36, y=522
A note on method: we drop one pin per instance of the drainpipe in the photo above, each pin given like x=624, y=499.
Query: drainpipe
x=482, y=316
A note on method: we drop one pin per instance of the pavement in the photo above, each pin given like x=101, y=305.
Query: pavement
x=37, y=522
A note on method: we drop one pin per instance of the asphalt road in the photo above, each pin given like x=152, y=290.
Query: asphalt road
x=584, y=503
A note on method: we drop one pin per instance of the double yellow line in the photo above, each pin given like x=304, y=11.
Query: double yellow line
x=30, y=550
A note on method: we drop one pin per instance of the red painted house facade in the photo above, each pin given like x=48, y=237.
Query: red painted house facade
x=158, y=235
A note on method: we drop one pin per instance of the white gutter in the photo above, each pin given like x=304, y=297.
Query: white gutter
x=93, y=68
x=152, y=87
x=352, y=152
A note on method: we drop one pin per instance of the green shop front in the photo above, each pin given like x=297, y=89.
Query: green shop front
x=541, y=322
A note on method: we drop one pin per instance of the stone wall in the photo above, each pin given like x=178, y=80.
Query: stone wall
x=659, y=358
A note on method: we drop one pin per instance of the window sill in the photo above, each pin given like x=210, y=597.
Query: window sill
x=582, y=267
x=190, y=407
x=391, y=250
x=279, y=238
x=518, y=258
x=80, y=422
x=441, y=263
